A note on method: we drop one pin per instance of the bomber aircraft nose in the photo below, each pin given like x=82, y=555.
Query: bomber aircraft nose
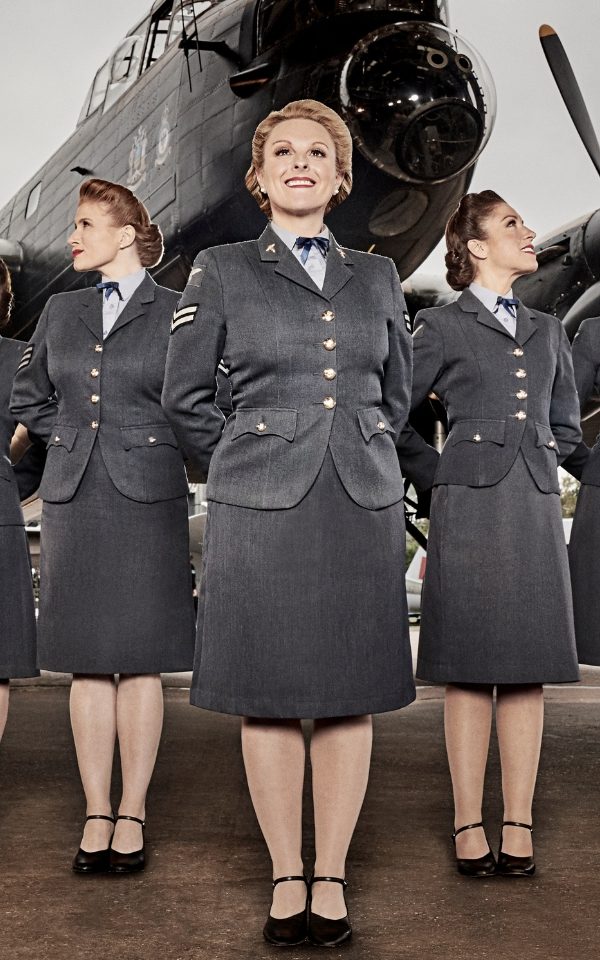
x=419, y=100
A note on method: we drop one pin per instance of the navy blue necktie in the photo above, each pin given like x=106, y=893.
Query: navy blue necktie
x=108, y=286
x=509, y=303
x=305, y=243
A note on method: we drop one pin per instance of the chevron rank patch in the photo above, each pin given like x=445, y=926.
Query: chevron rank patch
x=407, y=321
x=419, y=331
x=183, y=316
x=26, y=357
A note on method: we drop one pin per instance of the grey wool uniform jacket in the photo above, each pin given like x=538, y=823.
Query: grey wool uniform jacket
x=76, y=388
x=11, y=356
x=584, y=464
x=309, y=370
x=502, y=394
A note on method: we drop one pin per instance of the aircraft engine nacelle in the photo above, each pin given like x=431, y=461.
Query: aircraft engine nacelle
x=419, y=101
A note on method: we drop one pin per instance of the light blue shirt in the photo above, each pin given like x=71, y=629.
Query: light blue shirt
x=112, y=306
x=316, y=263
x=488, y=299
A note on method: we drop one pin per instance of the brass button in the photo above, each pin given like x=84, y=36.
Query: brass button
x=518, y=352
x=329, y=344
x=551, y=443
x=521, y=415
x=94, y=372
x=94, y=398
x=329, y=373
x=261, y=426
x=328, y=316
x=477, y=438
x=57, y=439
x=521, y=395
x=329, y=403
x=380, y=425
x=98, y=348
x=151, y=439
x=94, y=424
x=520, y=373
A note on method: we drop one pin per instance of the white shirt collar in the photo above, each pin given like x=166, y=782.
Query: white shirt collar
x=129, y=284
x=290, y=238
x=487, y=297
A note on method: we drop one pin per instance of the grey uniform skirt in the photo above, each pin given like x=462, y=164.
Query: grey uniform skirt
x=303, y=612
x=115, y=591
x=584, y=560
x=497, y=600
x=17, y=633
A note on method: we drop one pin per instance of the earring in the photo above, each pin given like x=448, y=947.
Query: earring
x=262, y=190
x=336, y=191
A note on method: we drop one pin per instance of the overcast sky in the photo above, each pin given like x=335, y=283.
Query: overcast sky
x=50, y=50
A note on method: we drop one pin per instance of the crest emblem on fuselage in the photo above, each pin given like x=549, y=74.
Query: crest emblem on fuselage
x=163, y=147
x=137, y=159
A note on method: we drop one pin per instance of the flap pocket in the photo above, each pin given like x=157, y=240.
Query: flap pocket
x=478, y=431
x=148, y=435
x=372, y=421
x=265, y=422
x=545, y=437
x=62, y=436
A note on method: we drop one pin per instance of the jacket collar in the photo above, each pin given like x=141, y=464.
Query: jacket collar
x=91, y=308
x=337, y=273
x=526, y=325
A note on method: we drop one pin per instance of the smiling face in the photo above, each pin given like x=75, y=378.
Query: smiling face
x=508, y=244
x=299, y=171
x=96, y=243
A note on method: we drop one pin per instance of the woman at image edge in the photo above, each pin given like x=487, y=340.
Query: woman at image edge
x=496, y=608
x=115, y=576
x=303, y=607
x=17, y=634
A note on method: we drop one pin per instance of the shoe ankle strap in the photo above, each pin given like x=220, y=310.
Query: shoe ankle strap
x=468, y=826
x=123, y=816
x=329, y=880
x=285, y=879
x=99, y=816
x=516, y=823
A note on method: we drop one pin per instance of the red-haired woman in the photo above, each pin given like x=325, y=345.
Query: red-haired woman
x=115, y=578
x=17, y=635
x=497, y=607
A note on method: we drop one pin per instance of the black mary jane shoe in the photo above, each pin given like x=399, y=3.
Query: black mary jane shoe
x=324, y=932
x=287, y=931
x=509, y=866
x=128, y=862
x=475, y=866
x=94, y=861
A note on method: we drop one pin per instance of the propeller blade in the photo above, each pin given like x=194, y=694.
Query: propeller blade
x=562, y=71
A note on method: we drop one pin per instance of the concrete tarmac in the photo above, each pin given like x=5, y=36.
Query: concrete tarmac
x=206, y=890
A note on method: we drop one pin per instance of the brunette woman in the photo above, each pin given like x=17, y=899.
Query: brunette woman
x=115, y=578
x=302, y=607
x=17, y=634
x=497, y=610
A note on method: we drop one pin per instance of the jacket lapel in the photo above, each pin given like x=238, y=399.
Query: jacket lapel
x=90, y=311
x=137, y=304
x=337, y=271
x=526, y=325
x=471, y=304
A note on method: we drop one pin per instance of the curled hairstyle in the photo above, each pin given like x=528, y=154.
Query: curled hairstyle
x=467, y=223
x=126, y=209
x=303, y=110
x=6, y=294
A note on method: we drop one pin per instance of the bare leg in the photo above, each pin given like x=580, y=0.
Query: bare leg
x=340, y=755
x=468, y=723
x=139, y=726
x=519, y=723
x=93, y=719
x=4, y=694
x=274, y=758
